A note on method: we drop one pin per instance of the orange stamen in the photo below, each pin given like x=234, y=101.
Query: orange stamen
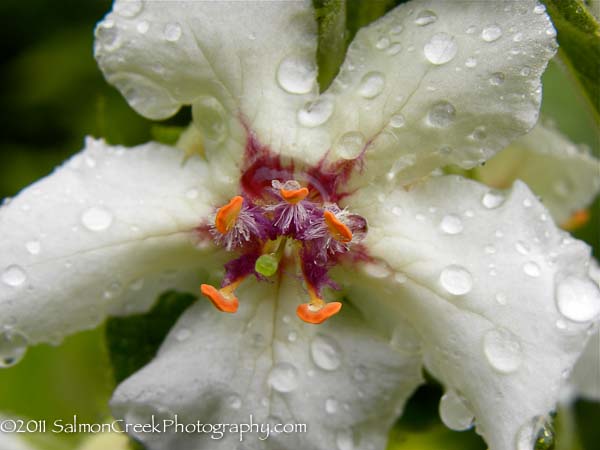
x=227, y=215
x=317, y=311
x=577, y=220
x=294, y=196
x=338, y=230
x=223, y=299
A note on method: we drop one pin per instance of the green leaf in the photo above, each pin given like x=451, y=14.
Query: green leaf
x=579, y=40
x=331, y=19
x=134, y=340
x=166, y=134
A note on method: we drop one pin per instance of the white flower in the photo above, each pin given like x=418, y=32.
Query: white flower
x=477, y=285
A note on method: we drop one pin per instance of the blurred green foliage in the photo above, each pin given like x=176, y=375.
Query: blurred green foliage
x=52, y=95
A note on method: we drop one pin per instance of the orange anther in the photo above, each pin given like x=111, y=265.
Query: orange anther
x=223, y=299
x=294, y=196
x=577, y=220
x=317, y=314
x=338, y=230
x=227, y=215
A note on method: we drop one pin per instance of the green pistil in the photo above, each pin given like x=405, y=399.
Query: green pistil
x=268, y=263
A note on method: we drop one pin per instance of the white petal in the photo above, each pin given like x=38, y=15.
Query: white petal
x=242, y=65
x=566, y=177
x=105, y=233
x=499, y=295
x=433, y=83
x=342, y=379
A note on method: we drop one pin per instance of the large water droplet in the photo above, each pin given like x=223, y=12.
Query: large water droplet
x=350, y=145
x=108, y=35
x=316, y=113
x=371, y=85
x=13, y=346
x=451, y=224
x=96, y=219
x=441, y=49
x=425, y=17
x=456, y=280
x=297, y=74
x=283, y=377
x=172, y=32
x=331, y=405
x=441, y=115
x=325, y=352
x=502, y=350
x=492, y=200
x=491, y=33
x=532, y=269
x=344, y=439
x=14, y=275
x=578, y=299
x=128, y=8
x=536, y=434
x=455, y=411
x=210, y=118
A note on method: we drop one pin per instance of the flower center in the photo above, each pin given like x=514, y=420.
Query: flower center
x=287, y=223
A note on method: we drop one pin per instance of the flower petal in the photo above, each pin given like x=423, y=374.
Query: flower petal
x=436, y=83
x=500, y=297
x=105, y=233
x=566, y=177
x=342, y=379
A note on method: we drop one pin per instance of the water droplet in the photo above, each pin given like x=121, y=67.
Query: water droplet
x=292, y=336
x=283, y=377
x=350, y=145
x=455, y=411
x=532, y=269
x=14, y=275
x=539, y=9
x=325, y=352
x=331, y=405
x=136, y=285
x=360, y=374
x=129, y=8
x=183, y=334
x=234, y=401
x=297, y=74
x=33, y=247
x=376, y=270
x=394, y=49
x=441, y=115
x=396, y=29
x=286, y=319
x=96, y=219
x=108, y=35
x=456, y=280
x=525, y=71
x=397, y=121
x=496, y=79
x=13, y=346
x=522, y=247
x=425, y=17
x=400, y=278
x=192, y=193
x=316, y=112
x=501, y=298
x=492, y=200
x=451, y=224
x=142, y=27
x=172, y=32
x=502, y=350
x=441, y=49
x=489, y=249
x=578, y=299
x=471, y=62
x=491, y=33
x=344, y=439
x=210, y=118
x=371, y=85
x=382, y=43
x=536, y=434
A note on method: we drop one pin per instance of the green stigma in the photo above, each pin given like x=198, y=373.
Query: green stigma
x=267, y=265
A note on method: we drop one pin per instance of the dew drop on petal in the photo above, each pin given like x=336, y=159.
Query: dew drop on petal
x=172, y=32
x=397, y=121
x=33, y=247
x=441, y=115
x=96, y=219
x=13, y=346
x=142, y=27
x=394, y=49
x=522, y=247
x=491, y=33
x=400, y=278
x=192, y=193
x=14, y=276
x=136, y=285
x=360, y=374
x=455, y=411
x=456, y=280
x=350, y=145
x=344, y=439
x=297, y=74
x=129, y=8
x=371, y=85
x=325, y=352
x=501, y=298
x=502, y=350
x=234, y=401
x=292, y=336
x=451, y=224
x=492, y=200
x=496, y=79
x=532, y=269
x=425, y=17
x=331, y=405
x=471, y=62
x=316, y=112
x=283, y=377
x=578, y=299
x=183, y=334
x=441, y=49
x=376, y=270
x=382, y=43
